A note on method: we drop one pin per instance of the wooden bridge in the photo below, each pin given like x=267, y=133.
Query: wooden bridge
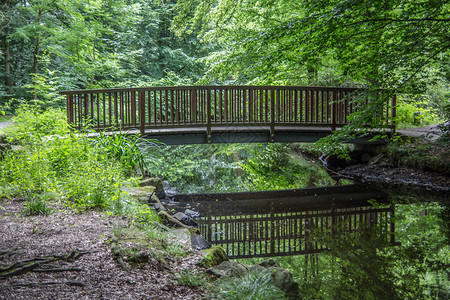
x=215, y=114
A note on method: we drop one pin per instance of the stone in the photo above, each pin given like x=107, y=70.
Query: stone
x=167, y=219
x=5, y=147
x=192, y=214
x=376, y=159
x=198, y=241
x=157, y=183
x=181, y=217
x=142, y=193
x=228, y=269
x=213, y=256
x=281, y=278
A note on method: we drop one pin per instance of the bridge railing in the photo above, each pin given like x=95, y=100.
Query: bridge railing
x=210, y=106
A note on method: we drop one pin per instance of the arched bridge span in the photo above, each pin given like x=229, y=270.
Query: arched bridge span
x=214, y=114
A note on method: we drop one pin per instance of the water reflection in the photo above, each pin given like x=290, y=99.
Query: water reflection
x=264, y=224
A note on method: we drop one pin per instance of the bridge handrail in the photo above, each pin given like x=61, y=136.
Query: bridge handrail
x=146, y=108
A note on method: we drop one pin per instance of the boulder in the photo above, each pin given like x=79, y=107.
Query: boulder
x=167, y=219
x=281, y=278
x=142, y=193
x=213, y=256
x=157, y=183
x=181, y=217
x=3, y=139
x=198, y=241
x=191, y=214
x=228, y=269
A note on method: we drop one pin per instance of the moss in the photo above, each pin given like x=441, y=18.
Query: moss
x=213, y=256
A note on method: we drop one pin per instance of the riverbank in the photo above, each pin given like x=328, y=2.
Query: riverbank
x=418, y=162
x=79, y=261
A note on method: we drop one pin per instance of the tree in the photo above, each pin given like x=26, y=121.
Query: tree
x=380, y=43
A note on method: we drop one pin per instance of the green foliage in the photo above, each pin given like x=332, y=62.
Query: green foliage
x=35, y=205
x=53, y=160
x=32, y=124
x=190, y=279
x=124, y=148
x=252, y=286
x=413, y=111
x=197, y=168
x=426, y=156
x=270, y=167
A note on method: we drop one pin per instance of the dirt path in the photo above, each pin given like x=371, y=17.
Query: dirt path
x=430, y=132
x=96, y=274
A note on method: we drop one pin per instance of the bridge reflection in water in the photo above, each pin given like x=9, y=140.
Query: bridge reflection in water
x=281, y=223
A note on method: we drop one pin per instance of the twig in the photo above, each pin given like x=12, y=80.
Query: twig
x=32, y=284
x=57, y=270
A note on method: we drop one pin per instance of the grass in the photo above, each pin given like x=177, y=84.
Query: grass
x=190, y=279
x=253, y=286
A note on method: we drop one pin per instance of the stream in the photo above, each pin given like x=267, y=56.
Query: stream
x=259, y=201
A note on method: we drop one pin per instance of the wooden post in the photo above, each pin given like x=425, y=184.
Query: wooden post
x=193, y=106
x=69, y=101
x=141, y=111
x=392, y=229
x=272, y=115
x=133, y=108
x=208, y=116
x=333, y=112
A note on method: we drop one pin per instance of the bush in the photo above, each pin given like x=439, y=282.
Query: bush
x=253, y=286
x=67, y=164
x=409, y=108
x=32, y=124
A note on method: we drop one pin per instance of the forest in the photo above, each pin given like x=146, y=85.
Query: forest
x=75, y=192
x=48, y=46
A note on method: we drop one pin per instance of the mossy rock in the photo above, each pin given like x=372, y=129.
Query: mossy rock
x=142, y=193
x=155, y=182
x=213, y=256
x=167, y=219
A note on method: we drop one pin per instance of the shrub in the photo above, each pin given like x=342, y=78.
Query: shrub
x=252, y=286
x=32, y=124
x=35, y=205
x=408, y=106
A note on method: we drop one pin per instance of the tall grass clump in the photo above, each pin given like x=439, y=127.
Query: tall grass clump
x=252, y=286
x=53, y=159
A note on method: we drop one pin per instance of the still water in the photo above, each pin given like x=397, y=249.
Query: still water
x=339, y=242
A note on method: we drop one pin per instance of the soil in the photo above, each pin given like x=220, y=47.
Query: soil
x=428, y=177
x=95, y=274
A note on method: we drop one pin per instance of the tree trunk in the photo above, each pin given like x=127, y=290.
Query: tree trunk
x=8, y=81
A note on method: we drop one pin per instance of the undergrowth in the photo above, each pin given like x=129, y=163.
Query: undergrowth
x=53, y=159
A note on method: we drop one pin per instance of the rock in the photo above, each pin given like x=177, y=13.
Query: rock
x=365, y=158
x=199, y=242
x=376, y=159
x=269, y=263
x=181, y=237
x=159, y=207
x=167, y=219
x=157, y=183
x=181, y=217
x=281, y=278
x=142, y=193
x=213, y=256
x=192, y=214
x=228, y=269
